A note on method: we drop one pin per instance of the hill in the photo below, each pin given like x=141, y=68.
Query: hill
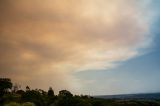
x=144, y=96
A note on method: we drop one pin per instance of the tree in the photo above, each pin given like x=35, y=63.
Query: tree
x=33, y=96
x=65, y=98
x=51, y=95
x=5, y=85
x=27, y=88
x=50, y=92
x=65, y=93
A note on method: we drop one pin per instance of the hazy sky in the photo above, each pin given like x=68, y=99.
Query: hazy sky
x=86, y=46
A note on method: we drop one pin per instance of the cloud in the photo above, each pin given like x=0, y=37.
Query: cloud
x=47, y=41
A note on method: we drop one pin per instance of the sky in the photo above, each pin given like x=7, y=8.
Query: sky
x=93, y=47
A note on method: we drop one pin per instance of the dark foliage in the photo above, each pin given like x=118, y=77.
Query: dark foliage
x=33, y=96
x=5, y=85
x=20, y=92
x=50, y=96
x=65, y=93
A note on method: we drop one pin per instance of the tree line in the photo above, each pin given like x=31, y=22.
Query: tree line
x=12, y=95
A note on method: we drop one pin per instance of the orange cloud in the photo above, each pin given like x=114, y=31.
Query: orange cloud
x=47, y=41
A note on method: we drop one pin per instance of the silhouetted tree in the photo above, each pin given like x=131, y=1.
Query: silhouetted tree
x=27, y=88
x=44, y=93
x=33, y=96
x=50, y=92
x=65, y=93
x=5, y=85
x=51, y=96
x=65, y=98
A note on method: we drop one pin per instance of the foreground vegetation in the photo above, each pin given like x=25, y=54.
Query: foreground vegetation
x=11, y=95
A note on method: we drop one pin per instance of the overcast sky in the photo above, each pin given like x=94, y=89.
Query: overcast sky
x=86, y=46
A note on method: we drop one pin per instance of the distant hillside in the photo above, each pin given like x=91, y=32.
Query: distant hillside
x=147, y=96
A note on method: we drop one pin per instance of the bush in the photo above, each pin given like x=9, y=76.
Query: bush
x=17, y=104
x=34, y=97
x=10, y=98
x=28, y=104
x=12, y=104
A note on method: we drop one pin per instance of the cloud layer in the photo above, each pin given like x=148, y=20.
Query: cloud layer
x=47, y=41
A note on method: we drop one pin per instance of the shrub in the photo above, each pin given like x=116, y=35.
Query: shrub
x=34, y=97
x=12, y=104
x=28, y=104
